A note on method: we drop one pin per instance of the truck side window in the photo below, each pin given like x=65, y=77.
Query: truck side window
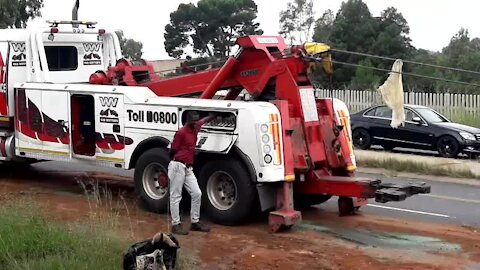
x=62, y=58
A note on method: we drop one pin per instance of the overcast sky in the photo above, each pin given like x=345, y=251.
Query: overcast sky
x=432, y=22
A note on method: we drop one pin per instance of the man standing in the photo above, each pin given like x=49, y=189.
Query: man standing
x=180, y=173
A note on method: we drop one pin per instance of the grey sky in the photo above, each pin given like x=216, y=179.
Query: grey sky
x=432, y=22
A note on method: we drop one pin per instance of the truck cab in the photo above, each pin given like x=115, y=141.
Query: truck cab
x=71, y=54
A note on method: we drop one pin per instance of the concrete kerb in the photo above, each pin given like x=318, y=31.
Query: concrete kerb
x=455, y=166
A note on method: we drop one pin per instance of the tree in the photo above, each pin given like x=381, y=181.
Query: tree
x=15, y=13
x=353, y=30
x=210, y=28
x=131, y=49
x=323, y=27
x=296, y=22
x=366, y=77
x=392, y=39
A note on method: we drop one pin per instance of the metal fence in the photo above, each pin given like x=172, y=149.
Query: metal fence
x=445, y=103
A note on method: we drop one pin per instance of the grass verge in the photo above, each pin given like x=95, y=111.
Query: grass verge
x=30, y=240
x=400, y=165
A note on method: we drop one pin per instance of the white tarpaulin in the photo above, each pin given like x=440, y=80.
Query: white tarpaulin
x=392, y=93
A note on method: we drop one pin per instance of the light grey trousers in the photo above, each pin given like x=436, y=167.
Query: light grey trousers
x=179, y=175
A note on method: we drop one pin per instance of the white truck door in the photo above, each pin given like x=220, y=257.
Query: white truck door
x=42, y=129
x=110, y=128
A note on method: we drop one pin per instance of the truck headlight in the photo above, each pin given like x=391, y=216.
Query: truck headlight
x=467, y=136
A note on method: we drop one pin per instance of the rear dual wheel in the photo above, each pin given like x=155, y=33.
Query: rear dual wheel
x=229, y=195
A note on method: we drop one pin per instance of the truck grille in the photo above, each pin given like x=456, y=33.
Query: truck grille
x=477, y=136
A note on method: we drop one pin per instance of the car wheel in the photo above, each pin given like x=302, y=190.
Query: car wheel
x=361, y=138
x=447, y=146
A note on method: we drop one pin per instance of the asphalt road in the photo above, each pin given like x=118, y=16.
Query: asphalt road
x=451, y=203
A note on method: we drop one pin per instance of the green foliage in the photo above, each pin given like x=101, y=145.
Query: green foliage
x=131, y=49
x=323, y=27
x=365, y=77
x=15, y=13
x=297, y=21
x=210, y=28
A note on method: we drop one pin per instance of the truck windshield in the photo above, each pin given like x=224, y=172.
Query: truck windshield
x=431, y=116
x=61, y=58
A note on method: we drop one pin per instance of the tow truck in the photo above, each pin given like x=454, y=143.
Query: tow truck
x=69, y=95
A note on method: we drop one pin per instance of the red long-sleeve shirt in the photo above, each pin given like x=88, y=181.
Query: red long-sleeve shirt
x=184, y=142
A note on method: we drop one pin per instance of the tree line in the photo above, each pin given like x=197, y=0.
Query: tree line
x=206, y=32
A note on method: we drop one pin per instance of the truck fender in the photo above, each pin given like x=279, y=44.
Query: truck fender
x=152, y=142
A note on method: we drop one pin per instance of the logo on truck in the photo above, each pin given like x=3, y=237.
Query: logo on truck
x=92, y=53
x=107, y=114
x=19, y=59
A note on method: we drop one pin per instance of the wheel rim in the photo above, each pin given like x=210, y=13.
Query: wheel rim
x=221, y=190
x=360, y=138
x=155, y=181
x=447, y=146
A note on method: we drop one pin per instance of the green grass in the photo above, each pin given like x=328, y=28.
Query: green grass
x=414, y=167
x=29, y=240
x=466, y=119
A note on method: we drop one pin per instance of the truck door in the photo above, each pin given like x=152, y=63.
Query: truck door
x=42, y=129
x=110, y=128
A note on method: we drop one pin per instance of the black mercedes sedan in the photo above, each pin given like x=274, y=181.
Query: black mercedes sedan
x=424, y=129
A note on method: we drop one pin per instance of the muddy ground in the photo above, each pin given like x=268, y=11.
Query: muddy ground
x=322, y=241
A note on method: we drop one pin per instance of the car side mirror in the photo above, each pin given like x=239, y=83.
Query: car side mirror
x=417, y=120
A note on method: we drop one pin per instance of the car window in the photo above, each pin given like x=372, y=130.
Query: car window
x=409, y=115
x=431, y=116
x=383, y=112
x=371, y=112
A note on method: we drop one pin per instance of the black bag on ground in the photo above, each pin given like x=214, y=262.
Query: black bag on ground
x=157, y=253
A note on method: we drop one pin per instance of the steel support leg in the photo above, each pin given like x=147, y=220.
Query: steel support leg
x=285, y=216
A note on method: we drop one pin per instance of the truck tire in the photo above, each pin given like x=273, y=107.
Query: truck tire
x=151, y=179
x=229, y=195
x=302, y=201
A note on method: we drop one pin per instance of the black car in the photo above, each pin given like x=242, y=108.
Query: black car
x=424, y=129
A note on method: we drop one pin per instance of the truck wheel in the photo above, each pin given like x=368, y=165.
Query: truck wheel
x=361, y=138
x=151, y=179
x=228, y=193
x=303, y=201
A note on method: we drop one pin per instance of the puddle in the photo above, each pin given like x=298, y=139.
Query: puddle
x=386, y=239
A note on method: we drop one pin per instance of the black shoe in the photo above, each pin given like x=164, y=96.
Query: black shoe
x=178, y=229
x=199, y=227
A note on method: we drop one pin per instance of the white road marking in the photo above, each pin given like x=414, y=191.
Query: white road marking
x=451, y=198
x=409, y=211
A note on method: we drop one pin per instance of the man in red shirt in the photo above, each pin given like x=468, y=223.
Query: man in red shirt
x=180, y=173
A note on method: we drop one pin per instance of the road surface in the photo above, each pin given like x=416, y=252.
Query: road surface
x=449, y=203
